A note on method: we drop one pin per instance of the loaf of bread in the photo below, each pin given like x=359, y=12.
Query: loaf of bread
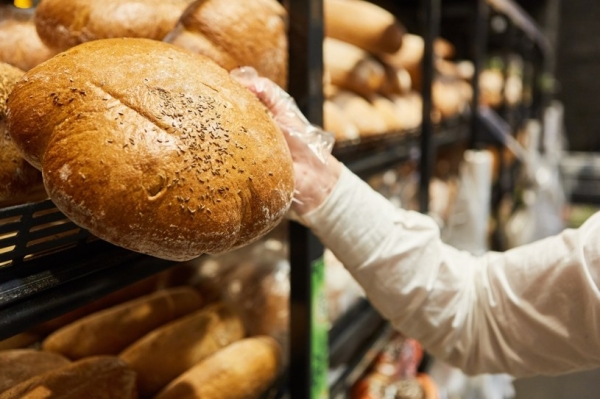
x=110, y=331
x=21, y=340
x=397, y=81
x=235, y=33
x=388, y=111
x=20, y=44
x=360, y=113
x=91, y=378
x=22, y=364
x=336, y=122
x=352, y=68
x=153, y=148
x=169, y=351
x=409, y=57
x=243, y=370
x=410, y=107
x=363, y=24
x=19, y=181
x=135, y=290
x=448, y=97
x=63, y=24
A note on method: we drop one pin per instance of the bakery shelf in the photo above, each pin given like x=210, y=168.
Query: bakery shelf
x=49, y=266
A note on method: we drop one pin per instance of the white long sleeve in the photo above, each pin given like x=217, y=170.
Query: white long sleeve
x=531, y=310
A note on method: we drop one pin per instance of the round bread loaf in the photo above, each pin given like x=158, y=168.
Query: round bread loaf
x=63, y=24
x=153, y=148
x=237, y=33
x=19, y=181
x=20, y=44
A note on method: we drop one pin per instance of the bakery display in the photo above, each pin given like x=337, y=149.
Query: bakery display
x=19, y=181
x=62, y=24
x=196, y=162
x=219, y=30
x=242, y=370
x=165, y=353
x=109, y=331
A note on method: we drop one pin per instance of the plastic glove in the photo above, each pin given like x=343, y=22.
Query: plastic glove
x=316, y=171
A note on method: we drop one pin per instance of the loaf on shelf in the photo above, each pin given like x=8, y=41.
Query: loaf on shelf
x=19, y=365
x=110, y=331
x=96, y=377
x=237, y=33
x=352, y=68
x=363, y=24
x=360, y=113
x=63, y=24
x=242, y=370
x=336, y=122
x=197, y=169
x=19, y=181
x=20, y=45
x=165, y=353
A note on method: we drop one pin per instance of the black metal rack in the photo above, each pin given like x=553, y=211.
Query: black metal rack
x=49, y=266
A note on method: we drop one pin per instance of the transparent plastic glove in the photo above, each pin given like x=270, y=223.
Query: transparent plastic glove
x=315, y=170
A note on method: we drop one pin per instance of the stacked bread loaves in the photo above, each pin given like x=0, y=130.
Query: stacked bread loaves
x=152, y=148
x=365, y=96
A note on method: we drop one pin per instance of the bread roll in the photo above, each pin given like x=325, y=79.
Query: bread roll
x=194, y=159
x=110, y=331
x=336, y=122
x=360, y=113
x=21, y=364
x=19, y=181
x=20, y=44
x=363, y=24
x=92, y=378
x=235, y=33
x=352, y=68
x=63, y=24
x=167, y=352
x=243, y=370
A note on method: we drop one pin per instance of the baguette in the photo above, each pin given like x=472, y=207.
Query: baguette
x=109, y=331
x=93, y=378
x=363, y=24
x=167, y=352
x=388, y=111
x=352, y=68
x=336, y=122
x=243, y=370
x=22, y=364
x=360, y=113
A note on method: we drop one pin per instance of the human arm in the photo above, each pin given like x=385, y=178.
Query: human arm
x=532, y=310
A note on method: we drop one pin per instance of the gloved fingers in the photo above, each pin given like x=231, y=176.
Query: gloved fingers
x=281, y=104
